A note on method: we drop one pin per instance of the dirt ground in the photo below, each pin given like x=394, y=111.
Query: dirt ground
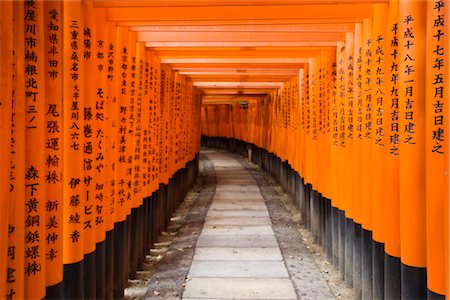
x=166, y=268
x=297, y=243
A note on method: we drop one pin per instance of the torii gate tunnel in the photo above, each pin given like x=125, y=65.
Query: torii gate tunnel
x=104, y=105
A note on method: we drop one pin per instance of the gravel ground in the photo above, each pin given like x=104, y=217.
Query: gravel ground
x=165, y=270
x=164, y=273
x=301, y=255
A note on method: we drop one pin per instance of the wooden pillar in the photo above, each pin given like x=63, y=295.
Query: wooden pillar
x=341, y=162
x=53, y=20
x=412, y=189
x=357, y=147
x=392, y=277
x=348, y=152
x=73, y=175
x=35, y=169
x=111, y=155
x=366, y=157
x=379, y=147
x=436, y=147
x=12, y=161
x=89, y=147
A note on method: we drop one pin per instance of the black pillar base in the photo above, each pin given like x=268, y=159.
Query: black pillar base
x=341, y=241
x=74, y=281
x=100, y=280
x=89, y=276
x=414, y=282
x=133, y=243
x=335, y=236
x=357, y=261
x=349, y=233
x=367, y=289
x=328, y=229
x=434, y=296
x=392, y=277
x=378, y=270
x=109, y=265
x=119, y=261
x=55, y=291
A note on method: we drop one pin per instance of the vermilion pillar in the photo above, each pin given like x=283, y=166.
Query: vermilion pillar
x=412, y=76
x=73, y=141
x=54, y=112
x=436, y=146
x=391, y=183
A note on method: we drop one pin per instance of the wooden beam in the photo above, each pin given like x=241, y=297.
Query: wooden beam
x=225, y=48
x=239, y=79
x=239, y=66
x=156, y=3
x=263, y=12
x=223, y=102
x=186, y=44
x=228, y=91
x=236, y=97
x=235, y=60
x=236, y=53
x=217, y=96
x=249, y=72
x=344, y=27
x=239, y=85
x=240, y=36
x=251, y=21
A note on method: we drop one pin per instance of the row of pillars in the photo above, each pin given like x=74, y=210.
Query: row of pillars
x=99, y=143
x=365, y=125
x=362, y=262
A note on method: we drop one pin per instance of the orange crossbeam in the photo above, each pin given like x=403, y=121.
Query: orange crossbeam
x=266, y=12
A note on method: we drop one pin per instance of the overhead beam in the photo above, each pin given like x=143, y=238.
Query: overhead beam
x=240, y=66
x=220, y=102
x=217, y=96
x=240, y=79
x=185, y=44
x=231, y=98
x=236, y=53
x=249, y=12
x=235, y=60
x=240, y=36
x=225, y=48
x=220, y=22
x=239, y=85
x=155, y=3
x=224, y=71
x=344, y=27
x=228, y=91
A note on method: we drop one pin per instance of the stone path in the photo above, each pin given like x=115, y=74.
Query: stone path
x=237, y=255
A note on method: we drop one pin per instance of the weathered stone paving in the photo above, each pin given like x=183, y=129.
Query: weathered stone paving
x=237, y=255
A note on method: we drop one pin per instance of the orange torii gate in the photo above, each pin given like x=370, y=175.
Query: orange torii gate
x=76, y=126
x=100, y=111
x=372, y=110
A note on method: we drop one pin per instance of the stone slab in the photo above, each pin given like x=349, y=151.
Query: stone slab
x=239, y=190
x=239, y=288
x=242, y=201
x=238, y=213
x=242, y=241
x=247, y=180
x=237, y=230
x=238, y=254
x=256, y=206
x=239, y=269
x=239, y=197
x=237, y=221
